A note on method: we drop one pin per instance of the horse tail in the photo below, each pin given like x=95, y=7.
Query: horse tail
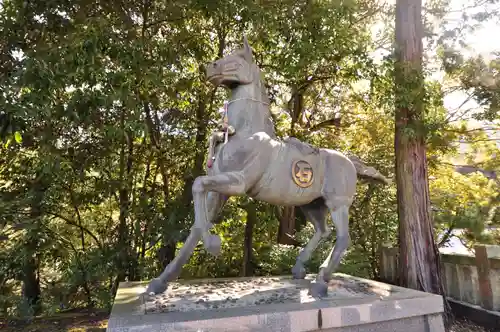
x=366, y=172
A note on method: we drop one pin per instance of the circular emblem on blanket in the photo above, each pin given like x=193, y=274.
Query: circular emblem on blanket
x=302, y=173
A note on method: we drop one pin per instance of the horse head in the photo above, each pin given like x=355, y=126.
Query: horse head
x=248, y=106
x=234, y=69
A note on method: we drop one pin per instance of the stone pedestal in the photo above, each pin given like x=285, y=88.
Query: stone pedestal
x=275, y=304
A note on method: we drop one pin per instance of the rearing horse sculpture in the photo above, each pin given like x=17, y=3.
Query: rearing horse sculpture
x=254, y=163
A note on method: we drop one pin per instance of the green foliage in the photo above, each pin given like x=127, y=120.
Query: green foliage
x=483, y=80
x=104, y=120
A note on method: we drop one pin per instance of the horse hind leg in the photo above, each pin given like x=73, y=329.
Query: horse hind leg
x=340, y=216
x=315, y=212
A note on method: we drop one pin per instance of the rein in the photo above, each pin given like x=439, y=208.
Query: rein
x=246, y=98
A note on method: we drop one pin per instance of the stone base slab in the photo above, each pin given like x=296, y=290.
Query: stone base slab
x=275, y=304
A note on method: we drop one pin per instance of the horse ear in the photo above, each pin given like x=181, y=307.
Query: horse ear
x=247, y=50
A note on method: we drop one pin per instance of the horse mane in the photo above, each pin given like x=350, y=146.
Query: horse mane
x=261, y=83
x=259, y=77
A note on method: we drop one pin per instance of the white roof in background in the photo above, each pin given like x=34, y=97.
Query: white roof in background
x=456, y=247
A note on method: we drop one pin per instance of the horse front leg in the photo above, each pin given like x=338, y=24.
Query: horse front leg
x=173, y=269
x=228, y=184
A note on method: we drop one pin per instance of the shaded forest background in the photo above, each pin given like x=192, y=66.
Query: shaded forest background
x=105, y=117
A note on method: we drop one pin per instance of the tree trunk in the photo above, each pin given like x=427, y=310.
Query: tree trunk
x=419, y=265
x=251, y=211
x=287, y=226
x=126, y=160
x=31, y=282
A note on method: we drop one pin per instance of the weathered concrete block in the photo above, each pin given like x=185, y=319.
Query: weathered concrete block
x=275, y=304
x=453, y=282
x=483, y=271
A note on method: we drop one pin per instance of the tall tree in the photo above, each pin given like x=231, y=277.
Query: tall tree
x=419, y=257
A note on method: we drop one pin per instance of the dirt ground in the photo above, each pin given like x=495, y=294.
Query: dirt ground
x=75, y=321
x=465, y=326
x=97, y=322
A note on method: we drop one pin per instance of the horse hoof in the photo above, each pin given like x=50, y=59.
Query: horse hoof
x=298, y=271
x=213, y=244
x=318, y=289
x=156, y=286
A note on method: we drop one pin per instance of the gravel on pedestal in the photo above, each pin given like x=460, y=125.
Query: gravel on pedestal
x=224, y=294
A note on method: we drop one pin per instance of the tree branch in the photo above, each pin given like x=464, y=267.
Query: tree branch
x=336, y=122
x=72, y=223
x=458, y=131
x=447, y=235
x=477, y=140
x=165, y=20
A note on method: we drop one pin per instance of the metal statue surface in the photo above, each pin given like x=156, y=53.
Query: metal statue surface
x=252, y=161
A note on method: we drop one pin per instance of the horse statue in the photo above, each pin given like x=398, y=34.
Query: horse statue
x=253, y=162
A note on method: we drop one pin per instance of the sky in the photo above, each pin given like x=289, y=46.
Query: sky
x=482, y=41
